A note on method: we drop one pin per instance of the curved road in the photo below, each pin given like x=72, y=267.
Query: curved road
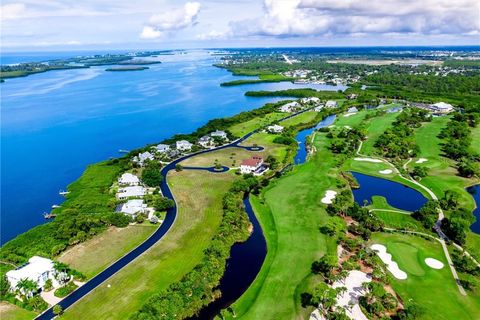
x=157, y=235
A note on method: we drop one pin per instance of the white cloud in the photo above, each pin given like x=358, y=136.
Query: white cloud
x=11, y=11
x=293, y=18
x=213, y=35
x=176, y=19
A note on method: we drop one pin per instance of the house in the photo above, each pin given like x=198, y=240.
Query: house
x=318, y=108
x=131, y=192
x=251, y=164
x=275, y=128
x=183, y=145
x=352, y=110
x=219, y=134
x=142, y=157
x=289, y=107
x=352, y=96
x=38, y=269
x=162, y=148
x=128, y=179
x=132, y=207
x=331, y=104
x=309, y=100
x=441, y=107
x=206, y=141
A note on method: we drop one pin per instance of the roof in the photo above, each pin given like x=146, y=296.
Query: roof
x=133, y=206
x=218, y=133
x=252, y=162
x=205, y=139
x=275, y=127
x=135, y=191
x=183, y=142
x=33, y=270
x=331, y=103
x=162, y=147
x=443, y=105
x=128, y=178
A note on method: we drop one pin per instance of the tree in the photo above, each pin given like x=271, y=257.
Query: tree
x=324, y=265
x=151, y=174
x=450, y=200
x=61, y=272
x=178, y=167
x=455, y=228
x=420, y=172
x=324, y=297
x=27, y=288
x=163, y=203
x=57, y=310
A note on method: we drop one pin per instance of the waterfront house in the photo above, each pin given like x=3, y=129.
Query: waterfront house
x=352, y=96
x=310, y=100
x=132, y=207
x=142, y=157
x=206, y=141
x=128, y=179
x=251, y=164
x=183, y=145
x=331, y=104
x=219, y=134
x=275, y=128
x=318, y=108
x=352, y=110
x=131, y=192
x=289, y=107
x=441, y=108
x=162, y=148
x=38, y=270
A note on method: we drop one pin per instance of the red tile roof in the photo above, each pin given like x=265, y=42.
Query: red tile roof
x=252, y=162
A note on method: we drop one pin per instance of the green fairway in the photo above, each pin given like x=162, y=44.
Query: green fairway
x=10, y=311
x=433, y=290
x=199, y=195
x=96, y=254
x=290, y=213
x=475, y=140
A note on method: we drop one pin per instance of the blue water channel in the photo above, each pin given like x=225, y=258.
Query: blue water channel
x=475, y=192
x=397, y=194
x=301, y=138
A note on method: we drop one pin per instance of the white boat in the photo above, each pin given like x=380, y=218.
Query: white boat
x=62, y=193
x=55, y=206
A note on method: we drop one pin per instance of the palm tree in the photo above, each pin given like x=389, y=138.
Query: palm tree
x=26, y=288
x=61, y=272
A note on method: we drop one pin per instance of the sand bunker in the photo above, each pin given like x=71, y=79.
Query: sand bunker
x=434, y=263
x=347, y=127
x=386, y=171
x=421, y=160
x=368, y=160
x=386, y=258
x=350, y=114
x=329, y=196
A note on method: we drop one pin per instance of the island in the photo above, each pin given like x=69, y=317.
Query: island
x=127, y=68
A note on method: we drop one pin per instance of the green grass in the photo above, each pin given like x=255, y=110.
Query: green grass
x=169, y=259
x=10, y=311
x=96, y=254
x=290, y=215
x=475, y=139
x=262, y=78
x=434, y=290
x=243, y=128
x=303, y=118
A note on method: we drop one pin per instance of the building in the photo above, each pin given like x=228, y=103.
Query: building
x=352, y=110
x=162, y=148
x=318, y=108
x=142, y=157
x=131, y=192
x=183, y=145
x=206, y=141
x=38, y=269
x=132, y=207
x=275, y=128
x=352, y=96
x=309, y=100
x=441, y=107
x=128, y=179
x=331, y=104
x=219, y=134
x=289, y=107
x=250, y=165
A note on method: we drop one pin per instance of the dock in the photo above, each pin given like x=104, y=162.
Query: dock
x=49, y=215
x=63, y=193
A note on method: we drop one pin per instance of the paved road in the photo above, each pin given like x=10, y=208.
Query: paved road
x=157, y=235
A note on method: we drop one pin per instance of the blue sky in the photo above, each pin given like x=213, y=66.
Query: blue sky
x=166, y=24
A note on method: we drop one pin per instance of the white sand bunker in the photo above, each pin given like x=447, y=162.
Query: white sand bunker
x=329, y=196
x=349, y=114
x=368, y=160
x=386, y=258
x=347, y=127
x=421, y=160
x=434, y=263
x=386, y=171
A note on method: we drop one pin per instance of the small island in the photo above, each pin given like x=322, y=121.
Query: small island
x=127, y=68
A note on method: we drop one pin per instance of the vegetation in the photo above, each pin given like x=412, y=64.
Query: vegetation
x=151, y=174
x=65, y=290
x=262, y=78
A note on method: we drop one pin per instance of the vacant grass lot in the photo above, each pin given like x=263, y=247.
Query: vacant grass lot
x=243, y=128
x=290, y=213
x=302, y=118
x=10, y=311
x=199, y=195
x=433, y=290
x=96, y=254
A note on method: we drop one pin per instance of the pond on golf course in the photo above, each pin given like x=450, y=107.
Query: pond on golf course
x=475, y=192
x=397, y=194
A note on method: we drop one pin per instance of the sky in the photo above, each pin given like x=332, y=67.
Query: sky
x=36, y=25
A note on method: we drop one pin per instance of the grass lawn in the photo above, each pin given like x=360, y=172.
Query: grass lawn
x=434, y=290
x=96, y=254
x=10, y=311
x=475, y=138
x=302, y=118
x=243, y=128
x=199, y=195
x=290, y=213
x=375, y=127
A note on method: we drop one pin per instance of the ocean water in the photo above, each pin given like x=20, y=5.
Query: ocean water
x=54, y=124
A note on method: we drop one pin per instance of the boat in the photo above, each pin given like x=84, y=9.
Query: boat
x=55, y=206
x=123, y=151
x=63, y=193
x=47, y=215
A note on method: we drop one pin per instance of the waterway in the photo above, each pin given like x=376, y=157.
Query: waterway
x=475, y=192
x=397, y=194
x=301, y=138
x=55, y=123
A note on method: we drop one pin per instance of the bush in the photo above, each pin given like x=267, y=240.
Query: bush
x=65, y=290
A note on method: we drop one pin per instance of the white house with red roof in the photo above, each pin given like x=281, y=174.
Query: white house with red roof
x=251, y=165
